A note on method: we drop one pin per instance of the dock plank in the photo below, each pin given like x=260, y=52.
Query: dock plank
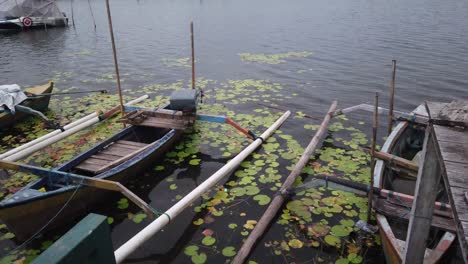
x=461, y=206
x=449, y=134
x=453, y=146
x=457, y=174
x=454, y=152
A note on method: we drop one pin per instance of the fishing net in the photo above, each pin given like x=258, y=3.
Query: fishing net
x=10, y=9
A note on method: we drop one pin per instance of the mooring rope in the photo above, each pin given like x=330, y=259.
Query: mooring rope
x=52, y=219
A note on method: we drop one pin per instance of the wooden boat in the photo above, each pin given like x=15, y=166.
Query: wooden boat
x=39, y=103
x=118, y=158
x=406, y=141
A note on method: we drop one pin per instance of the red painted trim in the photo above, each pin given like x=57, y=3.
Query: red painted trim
x=238, y=127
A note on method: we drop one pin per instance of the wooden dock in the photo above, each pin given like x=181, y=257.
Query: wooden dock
x=451, y=132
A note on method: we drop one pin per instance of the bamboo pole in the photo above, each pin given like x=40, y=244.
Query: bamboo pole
x=277, y=202
x=49, y=135
x=392, y=95
x=114, y=52
x=374, y=139
x=131, y=245
x=193, y=54
x=82, y=180
x=57, y=135
x=392, y=159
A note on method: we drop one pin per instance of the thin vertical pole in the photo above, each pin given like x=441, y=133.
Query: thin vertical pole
x=392, y=94
x=374, y=139
x=193, y=55
x=116, y=64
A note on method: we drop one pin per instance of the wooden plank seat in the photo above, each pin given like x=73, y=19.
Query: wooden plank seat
x=111, y=156
x=161, y=118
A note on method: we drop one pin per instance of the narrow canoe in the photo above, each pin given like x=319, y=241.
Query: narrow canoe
x=406, y=141
x=51, y=197
x=38, y=103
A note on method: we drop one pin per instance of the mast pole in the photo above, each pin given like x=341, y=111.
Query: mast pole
x=114, y=51
x=193, y=54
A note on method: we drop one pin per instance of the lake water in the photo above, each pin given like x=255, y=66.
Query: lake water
x=352, y=44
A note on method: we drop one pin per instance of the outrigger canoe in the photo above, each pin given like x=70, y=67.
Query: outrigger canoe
x=39, y=103
x=406, y=141
x=118, y=158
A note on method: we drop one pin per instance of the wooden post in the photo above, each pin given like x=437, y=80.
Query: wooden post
x=423, y=204
x=114, y=51
x=374, y=139
x=392, y=94
x=278, y=201
x=193, y=55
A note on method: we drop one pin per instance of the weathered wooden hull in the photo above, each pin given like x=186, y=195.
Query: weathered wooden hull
x=39, y=103
x=394, y=247
x=63, y=210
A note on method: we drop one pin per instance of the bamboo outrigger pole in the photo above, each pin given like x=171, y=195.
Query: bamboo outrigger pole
x=193, y=54
x=131, y=245
x=374, y=139
x=278, y=201
x=116, y=64
x=392, y=95
x=42, y=142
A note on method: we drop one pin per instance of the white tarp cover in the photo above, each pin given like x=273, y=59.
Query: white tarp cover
x=29, y=8
x=10, y=96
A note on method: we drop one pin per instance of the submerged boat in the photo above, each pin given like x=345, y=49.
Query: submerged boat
x=406, y=141
x=117, y=158
x=29, y=14
x=39, y=103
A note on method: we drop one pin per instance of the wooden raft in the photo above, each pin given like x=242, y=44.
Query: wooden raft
x=161, y=118
x=112, y=155
x=453, y=148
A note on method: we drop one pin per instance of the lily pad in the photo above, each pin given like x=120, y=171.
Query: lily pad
x=208, y=241
x=229, y=251
x=197, y=222
x=295, y=243
x=199, y=258
x=262, y=199
x=332, y=240
x=191, y=250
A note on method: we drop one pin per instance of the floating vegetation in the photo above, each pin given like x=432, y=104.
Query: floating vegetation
x=272, y=58
x=180, y=62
